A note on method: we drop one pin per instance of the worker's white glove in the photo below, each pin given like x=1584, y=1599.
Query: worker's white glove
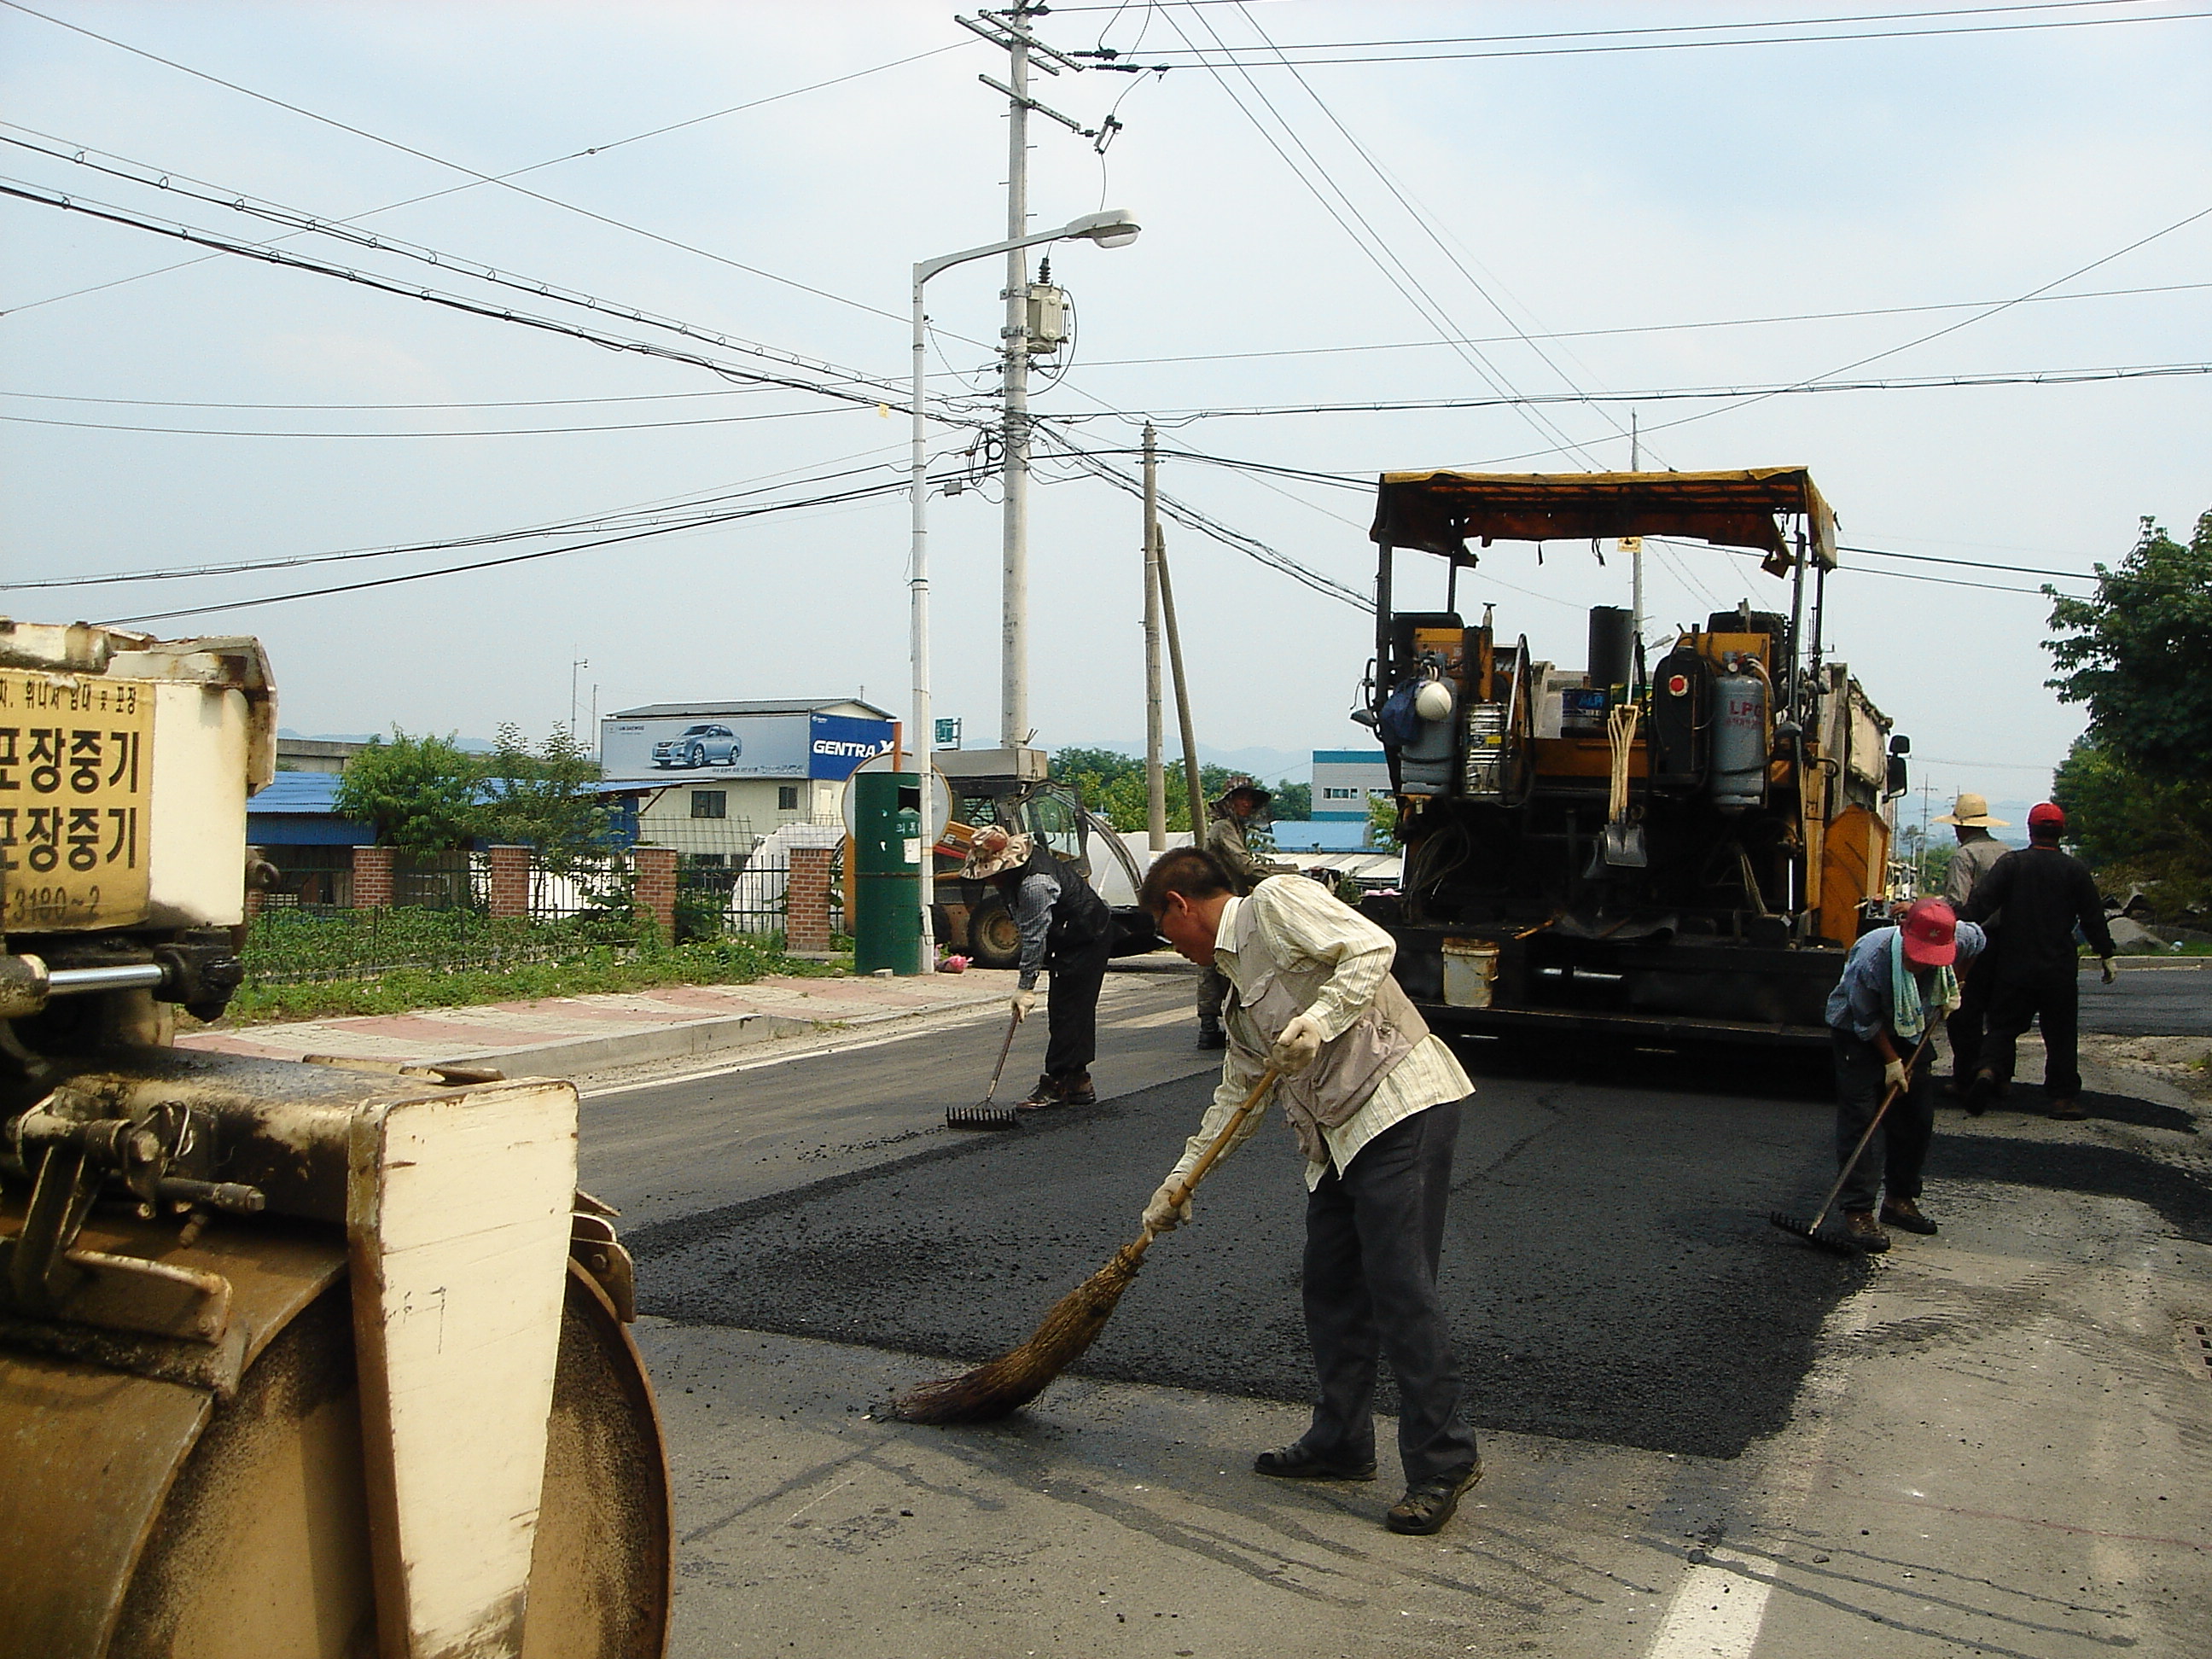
x=1024, y=1002
x=2106, y=963
x=1892, y=1074
x=1163, y=1214
x=1295, y=1049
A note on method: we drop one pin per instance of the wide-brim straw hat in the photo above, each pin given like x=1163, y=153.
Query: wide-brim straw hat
x=995, y=859
x=1972, y=812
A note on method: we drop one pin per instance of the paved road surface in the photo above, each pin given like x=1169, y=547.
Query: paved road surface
x=2166, y=1001
x=1701, y=1438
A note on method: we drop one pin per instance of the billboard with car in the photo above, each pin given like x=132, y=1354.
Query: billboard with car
x=702, y=745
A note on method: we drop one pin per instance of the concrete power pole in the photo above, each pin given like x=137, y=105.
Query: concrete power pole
x=1014, y=597
x=1155, y=780
x=1635, y=556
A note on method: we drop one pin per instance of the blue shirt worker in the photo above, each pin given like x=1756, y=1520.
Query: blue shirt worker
x=1897, y=983
x=1067, y=930
x=1374, y=1101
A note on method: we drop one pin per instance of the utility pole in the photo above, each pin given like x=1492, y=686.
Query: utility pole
x=1156, y=779
x=1014, y=537
x=1190, y=780
x=575, y=665
x=1008, y=29
x=1636, y=553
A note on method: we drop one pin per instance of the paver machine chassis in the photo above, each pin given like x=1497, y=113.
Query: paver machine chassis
x=1696, y=875
x=296, y=1361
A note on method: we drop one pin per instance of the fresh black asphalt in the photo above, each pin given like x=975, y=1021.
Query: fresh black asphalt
x=1609, y=1267
x=2161, y=1001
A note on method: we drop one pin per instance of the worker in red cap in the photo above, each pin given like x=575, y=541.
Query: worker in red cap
x=2045, y=894
x=1897, y=982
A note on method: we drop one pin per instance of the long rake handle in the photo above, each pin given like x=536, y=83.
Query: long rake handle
x=1184, y=1188
x=1859, y=1151
x=1013, y=1022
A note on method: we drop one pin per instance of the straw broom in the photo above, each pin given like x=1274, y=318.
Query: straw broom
x=1012, y=1380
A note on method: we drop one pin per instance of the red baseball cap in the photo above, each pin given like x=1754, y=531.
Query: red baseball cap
x=1931, y=932
x=2047, y=813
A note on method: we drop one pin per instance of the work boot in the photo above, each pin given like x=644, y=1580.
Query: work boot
x=1864, y=1231
x=2067, y=1110
x=1045, y=1096
x=1980, y=1092
x=1428, y=1505
x=1210, y=1034
x=1904, y=1213
x=1075, y=1090
x=1299, y=1462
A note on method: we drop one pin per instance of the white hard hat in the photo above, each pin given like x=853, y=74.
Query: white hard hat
x=1433, y=701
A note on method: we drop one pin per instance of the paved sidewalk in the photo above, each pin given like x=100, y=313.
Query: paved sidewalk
x=561, y=1035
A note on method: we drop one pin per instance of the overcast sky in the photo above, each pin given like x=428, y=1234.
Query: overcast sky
x=1634, y=200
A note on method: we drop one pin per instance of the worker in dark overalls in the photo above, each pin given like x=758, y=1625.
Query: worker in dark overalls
x=1067, y=930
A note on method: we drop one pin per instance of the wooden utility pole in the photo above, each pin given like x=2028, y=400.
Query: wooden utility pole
x=1181, y=688
x=1155, y=780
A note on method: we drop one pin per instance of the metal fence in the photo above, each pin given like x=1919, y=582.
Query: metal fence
x=598, y=886
x=440, y=881
x=746, y=892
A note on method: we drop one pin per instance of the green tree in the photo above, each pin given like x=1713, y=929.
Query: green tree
x=1381, y=820
x=1294, y=802
x=2136, y=654
x=1112, y=785
x=542, y=796
x=2138, y=831
x=418, y=792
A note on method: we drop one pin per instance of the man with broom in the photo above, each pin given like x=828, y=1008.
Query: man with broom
x=1066, y=928
x=1374, y=1101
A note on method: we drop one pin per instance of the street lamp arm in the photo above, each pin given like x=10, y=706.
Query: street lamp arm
x=929, y=268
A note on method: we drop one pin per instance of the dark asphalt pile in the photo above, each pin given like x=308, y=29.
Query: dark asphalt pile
x=1609, y=1268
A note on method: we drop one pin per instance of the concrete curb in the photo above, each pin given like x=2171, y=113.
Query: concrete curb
x=568, y=1056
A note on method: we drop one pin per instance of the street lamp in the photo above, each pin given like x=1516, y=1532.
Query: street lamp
x=1115, y=228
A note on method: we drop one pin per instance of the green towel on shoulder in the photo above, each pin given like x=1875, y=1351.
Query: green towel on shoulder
x=1908, y=1009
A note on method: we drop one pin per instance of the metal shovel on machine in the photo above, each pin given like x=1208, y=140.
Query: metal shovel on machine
x=983, y=1114
x=1624, y=840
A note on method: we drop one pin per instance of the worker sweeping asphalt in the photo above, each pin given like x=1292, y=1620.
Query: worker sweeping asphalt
x=1067, y=930
x=1374, y=1101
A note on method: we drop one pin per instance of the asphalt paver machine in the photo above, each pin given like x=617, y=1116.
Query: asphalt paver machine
x=313, y=1361
x=1677, y=850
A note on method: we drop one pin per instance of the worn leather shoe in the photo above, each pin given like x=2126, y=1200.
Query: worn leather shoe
x=1076, y=1089
x=2068, y=1110
x=1979, y=1093
x=1211, y=1036
x=1904, y=1213
x=1429, y=1504
x=1044, y=1097
x=1298, y=1461
x=1864, y=1231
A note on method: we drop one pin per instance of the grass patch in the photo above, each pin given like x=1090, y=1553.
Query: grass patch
x=595, y=968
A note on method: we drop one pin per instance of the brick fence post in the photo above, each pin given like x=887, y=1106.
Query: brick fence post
x=806, y=918
x=509, y=881
x=372, y=878
x=656, y=887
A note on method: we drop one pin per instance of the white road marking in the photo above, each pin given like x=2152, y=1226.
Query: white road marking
x=1715, y=1612
x=1163, y=1016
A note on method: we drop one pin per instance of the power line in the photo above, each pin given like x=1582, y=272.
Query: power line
x=1643, y=328
x=696, y=504
x=443, y=432
x=504, y=182
x=1226, y=58
x=432, y=296
x=311, y=224
x=862, y=493
x=1657, y=394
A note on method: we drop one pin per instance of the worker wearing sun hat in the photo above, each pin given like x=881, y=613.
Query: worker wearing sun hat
x=1977, y=854
x=2045, y=894
x=1066, y=928
x=1895, y=982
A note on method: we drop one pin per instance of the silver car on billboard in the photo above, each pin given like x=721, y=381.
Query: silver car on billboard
x=704, y=744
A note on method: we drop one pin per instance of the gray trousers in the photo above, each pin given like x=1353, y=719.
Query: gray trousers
x=1212, y=990
x=1374, y=1236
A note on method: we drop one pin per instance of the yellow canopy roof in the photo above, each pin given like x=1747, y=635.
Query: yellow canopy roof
x=1441, y=512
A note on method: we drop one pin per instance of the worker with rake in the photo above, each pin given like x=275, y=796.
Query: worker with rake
x=1897, y=983
x=1374, y=1101
x=1065, y=929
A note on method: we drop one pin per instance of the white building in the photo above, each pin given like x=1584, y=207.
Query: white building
x=1343, y=779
